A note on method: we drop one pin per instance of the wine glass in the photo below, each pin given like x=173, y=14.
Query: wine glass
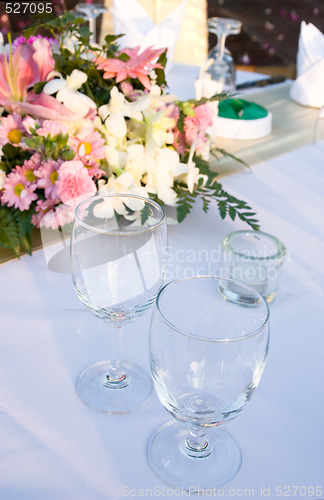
x=220, y=64
x=90, y=12
x=118, y=266
x=207, y=357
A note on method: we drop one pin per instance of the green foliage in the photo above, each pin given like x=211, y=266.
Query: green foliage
x=12, y=156
x=16, y=230
x=145, y=213
x=51, y=147
x=212, y=191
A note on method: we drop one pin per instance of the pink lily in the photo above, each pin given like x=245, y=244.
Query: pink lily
x=29, y=64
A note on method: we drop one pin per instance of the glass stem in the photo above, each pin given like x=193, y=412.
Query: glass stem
x=196, y=444
x=92, y=28
x=221, y=46
x=115, y=373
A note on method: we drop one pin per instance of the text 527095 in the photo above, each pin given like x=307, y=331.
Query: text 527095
x=29, y=8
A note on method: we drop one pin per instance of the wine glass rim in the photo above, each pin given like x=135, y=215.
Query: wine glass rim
x=224, y=340
x=280, y=253
x=121, y=232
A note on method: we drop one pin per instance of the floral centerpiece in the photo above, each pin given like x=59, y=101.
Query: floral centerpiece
x=78, y=118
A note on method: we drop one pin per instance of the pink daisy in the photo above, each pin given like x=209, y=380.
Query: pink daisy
x=138, y=66
x=18, y=192
x=88, y=145
x=11, y=129
x=74, y=181
x=28, y=168
x=47, y=175
x=196, y=126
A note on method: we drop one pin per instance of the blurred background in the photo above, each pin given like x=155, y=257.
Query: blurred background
x=268, y=42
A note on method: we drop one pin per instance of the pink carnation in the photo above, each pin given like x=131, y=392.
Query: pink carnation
x=74, y=181
x=196, y=126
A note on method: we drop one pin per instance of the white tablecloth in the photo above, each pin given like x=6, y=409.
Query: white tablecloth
x=53, y=447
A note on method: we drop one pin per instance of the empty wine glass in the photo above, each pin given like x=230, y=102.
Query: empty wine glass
x=118, y=265
x=90, y=12
x=220, y=64
x=207, y=356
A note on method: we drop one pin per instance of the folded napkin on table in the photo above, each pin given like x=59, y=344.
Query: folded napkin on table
x=308, y=88
x=140, y=30
x=179, y=25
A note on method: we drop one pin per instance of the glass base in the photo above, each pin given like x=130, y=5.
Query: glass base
x=129, y=393
x=233, y=293
x=177, y=469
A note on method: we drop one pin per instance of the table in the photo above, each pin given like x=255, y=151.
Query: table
x=54, y=447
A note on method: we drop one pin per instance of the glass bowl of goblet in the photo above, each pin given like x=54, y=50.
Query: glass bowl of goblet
x=207, y=356
x=118, y=267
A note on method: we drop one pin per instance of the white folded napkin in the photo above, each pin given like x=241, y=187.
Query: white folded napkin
x=131, y=18
x=308, y=88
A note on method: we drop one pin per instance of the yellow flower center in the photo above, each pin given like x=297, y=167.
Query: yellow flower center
x=18, y=189
x=86, y=147
x=30, y=176
x=53, y=177
x=14, y=136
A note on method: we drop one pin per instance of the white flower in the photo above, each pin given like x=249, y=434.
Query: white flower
x=161, y=175
x=67, y=92
x=138, y=161
x=113, y=114
x=116, y=159
x=2, y=175
x=116, y=125
x=193, y=174
x=123, y=184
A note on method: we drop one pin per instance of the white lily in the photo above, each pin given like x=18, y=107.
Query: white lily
x=116, y=159
x=123, y=184
x=138, y=161
x=160, y=176
x=193, y=176
x=68, y=94
x=114, y=113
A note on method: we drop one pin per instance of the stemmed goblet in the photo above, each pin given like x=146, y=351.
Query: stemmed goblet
x=90, y=12
x=207, y=356
x=118, y=265
x=220, y=64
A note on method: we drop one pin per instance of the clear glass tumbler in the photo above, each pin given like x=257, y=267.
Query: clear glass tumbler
x=254, y=257
x=207, y=356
